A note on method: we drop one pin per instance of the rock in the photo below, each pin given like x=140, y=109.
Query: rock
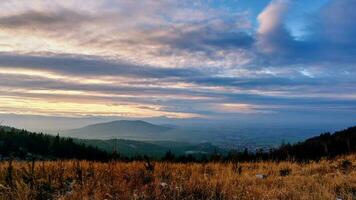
x=163, y=184
x=261, y=176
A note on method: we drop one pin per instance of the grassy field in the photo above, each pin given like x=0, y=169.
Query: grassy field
x=327, y=179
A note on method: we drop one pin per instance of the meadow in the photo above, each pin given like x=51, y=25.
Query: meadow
x=73, y=179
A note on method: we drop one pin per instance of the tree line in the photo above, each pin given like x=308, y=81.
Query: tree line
x=326, y=145
x=24, y=144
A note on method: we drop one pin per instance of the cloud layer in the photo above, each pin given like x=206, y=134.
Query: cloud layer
x=176, y=59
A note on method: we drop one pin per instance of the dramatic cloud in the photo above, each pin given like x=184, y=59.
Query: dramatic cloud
x=329, y=40
x=272, y=34
x=178, y=59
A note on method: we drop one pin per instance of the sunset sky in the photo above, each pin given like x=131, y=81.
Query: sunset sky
x=177, y=59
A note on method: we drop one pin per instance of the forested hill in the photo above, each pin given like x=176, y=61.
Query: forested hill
x=24, y=145
x=325, y=145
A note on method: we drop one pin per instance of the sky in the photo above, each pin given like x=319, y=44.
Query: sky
x=262, y=61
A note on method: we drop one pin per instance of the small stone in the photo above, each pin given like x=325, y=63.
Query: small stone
x=163, y=184
x=261, y=176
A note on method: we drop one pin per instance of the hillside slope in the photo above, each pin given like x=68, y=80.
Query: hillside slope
x=77, y=180
x=155, y=149
x=25, y=145
x=325, y=145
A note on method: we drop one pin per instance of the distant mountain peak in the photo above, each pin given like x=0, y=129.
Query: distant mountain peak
x=125, y=121
x=133, y=129
x=130, y=121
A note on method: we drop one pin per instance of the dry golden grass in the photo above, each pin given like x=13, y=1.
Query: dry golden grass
x=326, y=179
